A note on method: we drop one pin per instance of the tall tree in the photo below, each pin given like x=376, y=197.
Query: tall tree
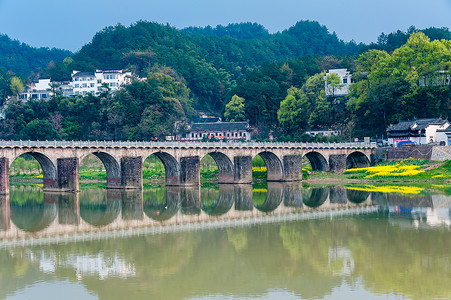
x=234, y=110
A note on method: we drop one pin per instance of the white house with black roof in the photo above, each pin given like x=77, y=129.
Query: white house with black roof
x=230, y=131
x=420, y=131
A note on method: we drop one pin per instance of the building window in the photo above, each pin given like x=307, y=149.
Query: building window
x=112, y=84
x=76, y=78
x=77, y=85
x=85, y=85
x=92, y=85
x=99, y=80
x=43, y=96
x=345, y=80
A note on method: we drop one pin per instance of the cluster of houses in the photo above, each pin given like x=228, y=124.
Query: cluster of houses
x=420, y=132
x=82, y=83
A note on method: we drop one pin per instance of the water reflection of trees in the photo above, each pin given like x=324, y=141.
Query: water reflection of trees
x=267, y=200
x=161, y=204
x=216, y=202
x=29, y=211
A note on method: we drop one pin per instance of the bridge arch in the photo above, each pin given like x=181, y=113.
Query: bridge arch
x=171, y=168
x=317, y=161
x=112, y=167
x=225, y=166
x=49, y=172
x=357, y=159
x=274, y=168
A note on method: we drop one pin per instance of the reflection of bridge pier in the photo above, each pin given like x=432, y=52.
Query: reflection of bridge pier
x=68, y=208
x=132, y=204
x=191, y=204
x=4, y=213
x=243, y=197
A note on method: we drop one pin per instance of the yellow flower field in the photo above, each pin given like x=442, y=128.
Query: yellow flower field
x=389, y=189
x=387, y=171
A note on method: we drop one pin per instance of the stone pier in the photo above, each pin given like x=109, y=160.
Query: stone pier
x=243, y=169
x=68, y=174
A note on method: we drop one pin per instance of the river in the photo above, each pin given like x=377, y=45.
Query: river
x=271, y=241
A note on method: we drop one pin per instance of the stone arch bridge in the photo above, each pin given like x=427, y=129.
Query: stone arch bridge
x=123, y=160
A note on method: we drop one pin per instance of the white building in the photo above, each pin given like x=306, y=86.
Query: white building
x=345, y=82
x=94, y=82
x=37, y=91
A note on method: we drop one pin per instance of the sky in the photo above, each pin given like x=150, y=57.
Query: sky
x=70, y=24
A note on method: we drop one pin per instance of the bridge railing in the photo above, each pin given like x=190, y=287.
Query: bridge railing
x=173, y=144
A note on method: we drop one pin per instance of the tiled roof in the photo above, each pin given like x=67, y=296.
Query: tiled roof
x=81, y=74
x=219, y=126
x=401, y=126
x=415, y=125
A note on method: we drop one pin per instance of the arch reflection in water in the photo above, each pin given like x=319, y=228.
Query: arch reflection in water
x=357, y=196
x=267, y=200
x=30, y=210
x=315, y=197
x=163, y=203
x=216, y=202
x=100, y=207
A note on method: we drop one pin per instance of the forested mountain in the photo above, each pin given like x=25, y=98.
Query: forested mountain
x=209, y=60
x=23, y=59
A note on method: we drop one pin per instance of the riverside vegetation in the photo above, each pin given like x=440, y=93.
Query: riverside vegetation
x=91, y=169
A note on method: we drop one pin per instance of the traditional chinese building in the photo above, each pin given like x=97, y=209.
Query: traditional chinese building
x=219, y=130
x=420, y=131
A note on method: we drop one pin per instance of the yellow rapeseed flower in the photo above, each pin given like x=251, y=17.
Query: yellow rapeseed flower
x=388, y=189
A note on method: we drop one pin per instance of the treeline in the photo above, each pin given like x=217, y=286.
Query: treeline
x=209, y=61
x=142, y=110
x=24, y=60
x=413, y=81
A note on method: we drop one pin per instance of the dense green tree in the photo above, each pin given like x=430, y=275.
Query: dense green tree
x=234, y=110
x=16, y=86
x=39, y=130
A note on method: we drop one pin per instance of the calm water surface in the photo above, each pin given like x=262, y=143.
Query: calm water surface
x=230, y=242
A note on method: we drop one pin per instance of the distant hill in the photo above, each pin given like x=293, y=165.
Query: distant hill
x=391, y=41
x=210, y=60
x=23, y=59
